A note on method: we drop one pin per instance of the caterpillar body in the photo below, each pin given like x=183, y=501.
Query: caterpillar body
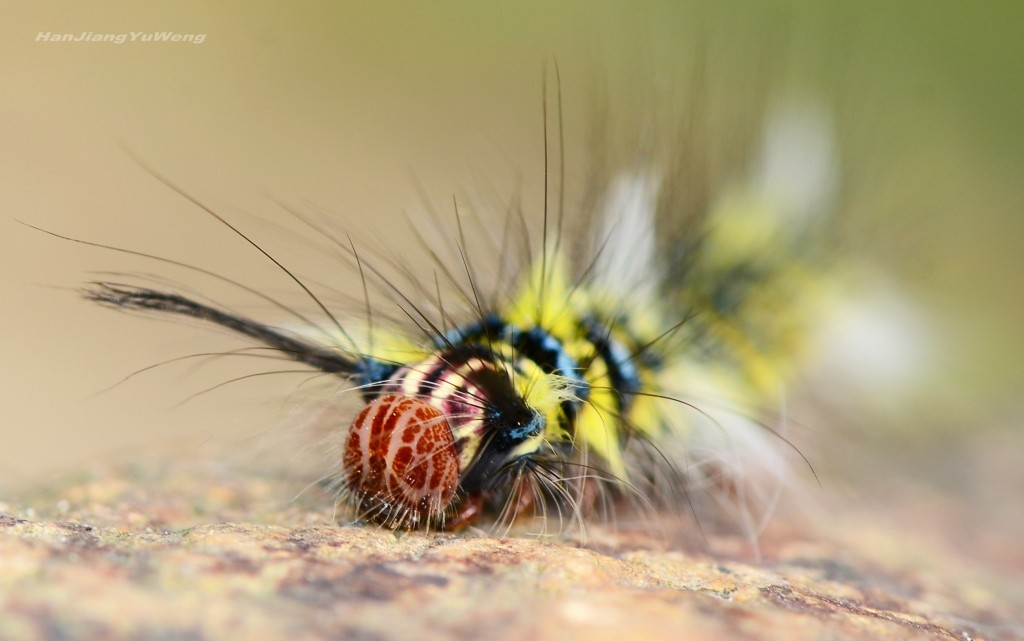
x=587, y=381
x=518, y=397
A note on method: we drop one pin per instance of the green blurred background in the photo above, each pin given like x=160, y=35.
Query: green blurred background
x=343, y=107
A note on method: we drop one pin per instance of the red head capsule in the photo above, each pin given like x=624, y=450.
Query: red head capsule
x=400, y=461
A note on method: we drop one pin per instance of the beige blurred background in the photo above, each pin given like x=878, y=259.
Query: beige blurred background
x=343, y=107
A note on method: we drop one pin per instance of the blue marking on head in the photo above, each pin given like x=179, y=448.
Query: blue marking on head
x=532, y=428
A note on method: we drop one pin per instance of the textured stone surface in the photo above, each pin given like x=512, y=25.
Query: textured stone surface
x=200, y=552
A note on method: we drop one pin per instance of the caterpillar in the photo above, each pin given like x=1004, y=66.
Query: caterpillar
x=563, y=394
x=551, y=386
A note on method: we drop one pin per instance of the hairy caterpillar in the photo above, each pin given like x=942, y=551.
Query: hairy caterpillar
x=570, y=390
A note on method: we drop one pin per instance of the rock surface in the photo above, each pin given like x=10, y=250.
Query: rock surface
x=203, y=552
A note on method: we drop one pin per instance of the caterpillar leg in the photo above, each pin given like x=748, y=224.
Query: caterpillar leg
x=471, y=508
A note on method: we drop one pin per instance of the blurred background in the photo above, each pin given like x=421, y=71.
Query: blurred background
x=360, y=112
